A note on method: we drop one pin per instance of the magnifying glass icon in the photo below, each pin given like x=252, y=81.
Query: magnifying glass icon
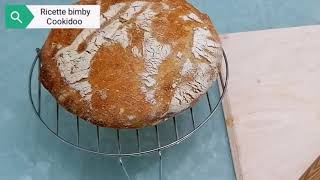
x=15, y=16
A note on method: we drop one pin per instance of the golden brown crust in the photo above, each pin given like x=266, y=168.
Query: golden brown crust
x=118, y=92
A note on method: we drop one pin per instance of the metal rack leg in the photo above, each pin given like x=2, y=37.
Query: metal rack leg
x=175, y=128
x=221, y=80
x=209, y=102
x=160, y=165
x=39, y=82
x=120, y=158
x=57, y=118
x=138, y=140
x=159, y=153
x=98, y=139
x=192, y=118
x=78, y=131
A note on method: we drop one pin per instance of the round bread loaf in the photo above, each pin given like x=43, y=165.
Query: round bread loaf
x=148, y=61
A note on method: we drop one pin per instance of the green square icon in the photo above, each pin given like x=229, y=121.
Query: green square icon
x=17, y=16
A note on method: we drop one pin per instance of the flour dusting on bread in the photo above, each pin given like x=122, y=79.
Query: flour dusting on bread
x=204, y=47
x=136, y=52
x=187, y=68
x=144, y=19
x=153, y=54
x=191, y=17
x=187, y=92
x=134, y=8
x=113, y=10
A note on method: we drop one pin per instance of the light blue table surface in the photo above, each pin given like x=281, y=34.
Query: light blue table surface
x=29, y=152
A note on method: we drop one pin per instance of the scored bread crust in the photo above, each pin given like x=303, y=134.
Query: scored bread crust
x=148, y=61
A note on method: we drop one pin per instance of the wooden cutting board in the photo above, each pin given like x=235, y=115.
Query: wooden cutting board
x=272, y=106
x=313, y=172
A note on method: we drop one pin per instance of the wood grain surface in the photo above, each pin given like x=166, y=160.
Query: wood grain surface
x=313, y=172
x=272, y=106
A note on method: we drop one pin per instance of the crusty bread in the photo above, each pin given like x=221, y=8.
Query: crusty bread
x=149, y=61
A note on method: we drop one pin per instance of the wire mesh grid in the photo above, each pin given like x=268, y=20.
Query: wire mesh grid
x=137, y=151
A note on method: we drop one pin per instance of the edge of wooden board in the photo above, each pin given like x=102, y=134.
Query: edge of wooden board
x=229, y=121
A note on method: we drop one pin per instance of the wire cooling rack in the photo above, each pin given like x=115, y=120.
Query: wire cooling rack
x=137, y=151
